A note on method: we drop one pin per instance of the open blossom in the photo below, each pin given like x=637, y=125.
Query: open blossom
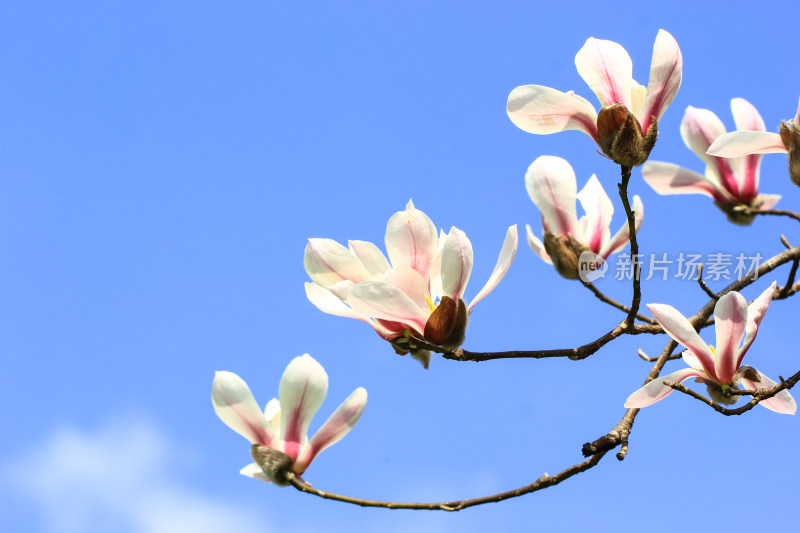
x=744, y=143
x=283, y=425
x=719, y=368
x=627, y=125
x=421, y=291
x=731, y=182
x=552, y=186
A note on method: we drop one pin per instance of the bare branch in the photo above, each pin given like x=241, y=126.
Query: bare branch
x=703, y=285
x=775, y=212
x=613, y=303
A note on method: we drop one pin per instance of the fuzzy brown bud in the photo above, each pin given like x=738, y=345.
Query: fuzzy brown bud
x=273, y=463
x=447, y=325
x=565, y=253
x=619, y=135
x=790, y=136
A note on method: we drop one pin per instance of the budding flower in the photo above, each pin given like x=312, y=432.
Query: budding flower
x=790, y=137
x=619, y=135
x=565, y=253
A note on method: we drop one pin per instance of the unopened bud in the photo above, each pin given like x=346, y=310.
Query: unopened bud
x=447, y=325
x=620, y=136
x=790, y=136
x=565, y=253
x=273, y=463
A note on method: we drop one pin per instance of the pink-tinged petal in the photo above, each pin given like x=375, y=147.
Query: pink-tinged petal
x=254, y=471
x=384, y=301
x=435, y=276
x=507, y=253
x=681, y=330
x=656, y=390
x=699, y=128
x=730, y=318
x=747, y=118
x=666, y=70
x=551, y=184
x=371, y=257
x=667, y=178
x=337, y=426
x=599, y=210
x=456, y=263
x=755, y=314
x=691, y=359
x=622, y=237
x=607, y=68
x=411, y=282
x=766, y=201
x=537, y=246
x=235, y=405
x=638, y=94
x=411, y=239
x=542, y=110
x=782, y=402
x=303, y=387
x=272, y=412
x=328, y=262
x=742, y=143
x=327, y=302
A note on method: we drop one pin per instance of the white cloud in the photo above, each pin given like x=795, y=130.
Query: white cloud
x=119, y=478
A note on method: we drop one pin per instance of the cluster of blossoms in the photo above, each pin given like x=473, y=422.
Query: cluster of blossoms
x=415, y=297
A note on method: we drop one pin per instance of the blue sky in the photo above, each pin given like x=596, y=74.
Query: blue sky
x=163, y=165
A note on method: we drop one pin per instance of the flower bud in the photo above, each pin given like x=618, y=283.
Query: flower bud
x=790, y=136
x=447, y=325
x=564, y=253
x=619, y=135
x=274, y=463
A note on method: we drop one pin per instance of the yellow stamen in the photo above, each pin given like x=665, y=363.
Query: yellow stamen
x=430, y=302
x=711, y=347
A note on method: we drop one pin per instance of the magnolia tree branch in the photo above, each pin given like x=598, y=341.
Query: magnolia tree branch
x=775, y=212
x=543, y=482
x=758, y=395
x=613, y=303
x=711, y=294
x=636, y=299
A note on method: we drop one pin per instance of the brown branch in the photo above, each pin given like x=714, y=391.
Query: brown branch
x=613, y=303
x=703, y=285
x=645, y=357
x=542, y=483
x=775, y=212
x=636, y=299
x=758, y=395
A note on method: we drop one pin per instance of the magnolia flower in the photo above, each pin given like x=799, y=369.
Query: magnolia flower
x=742, y=143
x=719, y=368
x=421, y=292
x=730, y=182
x=627, y=124
x=283, y=425
x=551, y=185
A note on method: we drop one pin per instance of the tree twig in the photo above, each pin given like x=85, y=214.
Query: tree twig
x=613, y=303
x=703, y=285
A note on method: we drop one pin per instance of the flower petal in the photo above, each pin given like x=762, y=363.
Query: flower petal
x=542, y=110
x=766, y=201
x=303, y=387
x=272, y=412
x=599, y=210
x=551, y=184
x=667, y=178
x=537, y=246
x=327, y=262
x=755, y=313
x=337, y=426
x=607, y=68
x=382, y=300
x=782, y=402
x=327, y=302
x=666, y=70
x=622, y=237
x=742, y=143
x=411, y=239
x=507, y=253
x=254, y=471
x=681, y=330
x=730, y=318
x=456, y=263
x=371, y=257
x=747, y=118
x=235, y=405
x=699, y=128
x=411, y=282
x=655, y=390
